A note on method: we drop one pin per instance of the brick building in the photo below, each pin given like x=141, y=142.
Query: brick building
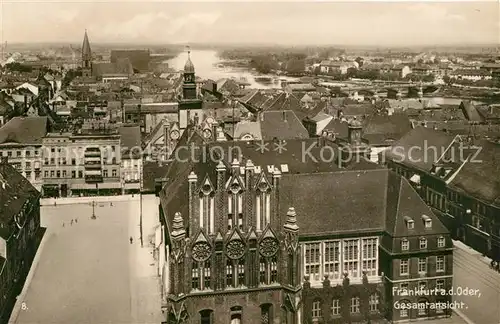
x=20, y=234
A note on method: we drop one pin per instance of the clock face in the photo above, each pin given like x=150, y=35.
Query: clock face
x=174, y=135
x=207, y=133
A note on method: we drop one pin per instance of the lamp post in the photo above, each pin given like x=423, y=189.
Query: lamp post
x=93, y=210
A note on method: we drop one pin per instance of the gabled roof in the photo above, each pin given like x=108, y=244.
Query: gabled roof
x=480, y=177
x=383, y=128
x=419, y=148
x=247, y=128
x=24, y=130
x=18, y=190
x=281, y=125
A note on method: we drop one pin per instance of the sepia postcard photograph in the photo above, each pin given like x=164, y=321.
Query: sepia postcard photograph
x=249, y=162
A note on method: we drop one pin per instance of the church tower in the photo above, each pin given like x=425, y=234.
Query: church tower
x=86, y=57
x=190, y=106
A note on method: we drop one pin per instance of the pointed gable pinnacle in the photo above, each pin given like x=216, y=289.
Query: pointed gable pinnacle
x=192, y=177
x=178, y=226
x=221, y=166
x=249, y=165
x=291, y=220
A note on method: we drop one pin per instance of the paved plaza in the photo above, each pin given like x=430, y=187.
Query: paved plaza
x=88, y=271
x=470, y=271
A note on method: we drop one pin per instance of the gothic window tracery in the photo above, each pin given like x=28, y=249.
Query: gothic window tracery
x=268, y=246
x=207, y=207
x=235, y=249
x=263, y=204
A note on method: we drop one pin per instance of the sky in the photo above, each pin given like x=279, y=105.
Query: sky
x=307, y=22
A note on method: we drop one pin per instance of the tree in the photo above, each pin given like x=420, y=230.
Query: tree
x=429, y=78
x=295, y=65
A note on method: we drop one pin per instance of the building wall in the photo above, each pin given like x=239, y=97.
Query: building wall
x=64, y=163
x=27, y=159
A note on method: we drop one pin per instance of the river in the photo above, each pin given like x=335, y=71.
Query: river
x=205, y=63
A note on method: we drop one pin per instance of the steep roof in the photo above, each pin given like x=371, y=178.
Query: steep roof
x=24, y=130
x=470, y=111
x=480, y=176
x=380, y=129
x=281, y=125
x=86, y=51
x=246, y=127
x=15, y=191
x=420, y=148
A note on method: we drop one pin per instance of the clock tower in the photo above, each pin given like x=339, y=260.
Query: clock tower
x=190, y=106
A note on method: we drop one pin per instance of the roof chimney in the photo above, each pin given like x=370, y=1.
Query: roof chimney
x=284, y=115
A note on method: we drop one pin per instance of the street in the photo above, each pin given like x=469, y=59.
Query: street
x=89, y=272
x=471, y=271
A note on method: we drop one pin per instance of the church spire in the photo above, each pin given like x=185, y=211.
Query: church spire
x=86, y=51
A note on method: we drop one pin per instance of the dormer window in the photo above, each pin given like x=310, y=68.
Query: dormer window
x=427, y=221
x=409, y=223
x=405, y=245
x=423, y=243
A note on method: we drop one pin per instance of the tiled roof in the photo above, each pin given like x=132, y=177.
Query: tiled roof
x=15, y=191
x=24, y=130
x=130, y=139
x=420, y=148
x=150, y=172
x=481, y=177
x=339, y=127
x=281, y=125
x=246, y=127
x=380, y=129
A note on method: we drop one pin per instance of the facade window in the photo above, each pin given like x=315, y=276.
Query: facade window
x=262, y=271
x=265, y=314
x=206, y=316
x=105, y=173
x=52, y=173
x=405, y=245
x=403, y=313
x=422, y=265
x=19, y=153
x=28, y=175
x=9, y=153
x=336, y=307
x=404, y=288
x=351, y=257
x=28, y=153
x=229, y=274
x=80, y=174
x=274, y=269
x=28, y=165
x=263, y=210
x=422, y=285
x=410, y=224
x=312, y=260
x=73, y=174
x=316, y=310
x=403, y=267
x=440, y=263
x=114, y=173
x=422, y=308
x=46, y=161
x=439, y=284
x=441, y=242
x=52, y=161
x=369, y=256
x=207, y=275
x=332, y=259
x=58, y=173
x=195, y=277
x=355, y=305
x=64, y=173
x=207, y=218
x=73, y=161
x=374, y=303
x=46, y=174
x=241, y=272
x=423, y=243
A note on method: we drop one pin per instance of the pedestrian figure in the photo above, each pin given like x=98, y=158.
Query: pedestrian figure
x=131, y=240
x=63, y=224
x=55, y=203
x=111, y=204
x=71, y=222
x=76, y=220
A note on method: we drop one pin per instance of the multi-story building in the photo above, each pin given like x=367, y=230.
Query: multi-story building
x=242, y=225
x=131, y=159
x=21, y=142
x=20, y=234
x=84, y=162
x=457, y=177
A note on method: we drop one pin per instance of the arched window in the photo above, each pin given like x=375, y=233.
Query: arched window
x=263, y=205
x=229, y=273
x=422, y=307
x=404, y=312
x=206, y=316
x=241, y=272
x=266, y=316
x=373, y=302
x=236, y=314
x=207, y=208
x=235, y=207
